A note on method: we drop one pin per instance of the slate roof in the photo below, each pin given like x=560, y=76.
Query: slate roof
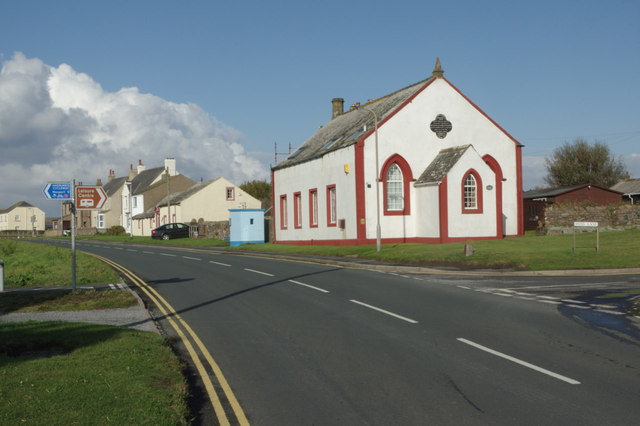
x=440, y=166
x=351, y=126
x=145, y=178
x=113, y=185
x=628, y=187
x=16, y=205
x=175, y=199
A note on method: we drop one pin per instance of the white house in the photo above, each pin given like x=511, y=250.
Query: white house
x=209, y=201
x=423, y=164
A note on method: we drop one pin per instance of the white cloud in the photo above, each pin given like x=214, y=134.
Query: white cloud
x=533, y=172
x=632, y=161
x=59, y=124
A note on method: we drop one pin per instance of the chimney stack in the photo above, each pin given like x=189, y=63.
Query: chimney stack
x=132, y=172
x=112, y=175
x=141, y=167
x=337, y=107
x=99, y=182
x=170, y=166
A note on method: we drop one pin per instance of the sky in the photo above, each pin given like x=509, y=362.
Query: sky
x=86, y=87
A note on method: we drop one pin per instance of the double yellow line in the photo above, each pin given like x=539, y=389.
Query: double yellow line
x=179, y=325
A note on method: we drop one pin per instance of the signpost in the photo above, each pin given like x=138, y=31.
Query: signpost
x=90, y=197
x=586, y=225
x=57, y=191
x=82, y=198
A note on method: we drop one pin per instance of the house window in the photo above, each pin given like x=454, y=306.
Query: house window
x=283, y=212
x=297, y=210
x=313, y=208
x=394, y=188
x=396, y=177
x=332, y=211
x=100, y=221
x=472, y=192
x=17, y=218
x=231, y=194
x=134, y=202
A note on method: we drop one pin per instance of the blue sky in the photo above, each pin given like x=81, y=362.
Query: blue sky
x=243, y=75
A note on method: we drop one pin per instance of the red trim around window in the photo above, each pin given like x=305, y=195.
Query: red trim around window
x=297, y=210
x=283, y=212
x=330, y=206
x=233, y=193
x=478, y=208
x=313, y=192
x=407, y=178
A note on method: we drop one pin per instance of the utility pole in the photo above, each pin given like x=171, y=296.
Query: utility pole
x=168, y=196
x=73, y=235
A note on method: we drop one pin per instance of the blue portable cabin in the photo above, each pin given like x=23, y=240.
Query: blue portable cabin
x=246, y=226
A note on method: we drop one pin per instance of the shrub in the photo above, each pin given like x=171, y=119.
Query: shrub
x=116, y=230
x=8, y=248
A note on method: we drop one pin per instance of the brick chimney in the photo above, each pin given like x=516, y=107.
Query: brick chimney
x=99, y=182
x=112, y=175
x=337, y=107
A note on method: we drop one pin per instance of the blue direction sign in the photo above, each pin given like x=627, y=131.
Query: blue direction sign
x=57, y=191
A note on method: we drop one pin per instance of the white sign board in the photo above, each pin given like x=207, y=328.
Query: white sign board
x=592, y=224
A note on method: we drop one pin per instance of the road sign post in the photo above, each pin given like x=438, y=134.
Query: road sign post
x=586, y=225
x=90, y=197
x=73, y=237
x=57, y=191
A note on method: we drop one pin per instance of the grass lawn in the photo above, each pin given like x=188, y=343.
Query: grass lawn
x=31, y=264
x=618, y=249
x=77, y=373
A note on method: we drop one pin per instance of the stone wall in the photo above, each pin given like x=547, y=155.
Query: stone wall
x=559, y=217
x=218, y=230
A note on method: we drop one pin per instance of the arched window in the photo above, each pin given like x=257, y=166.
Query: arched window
x=396, y=177
x=471, y=192
x=394, y=188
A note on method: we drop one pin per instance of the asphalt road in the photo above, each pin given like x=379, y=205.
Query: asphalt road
x=303, y=343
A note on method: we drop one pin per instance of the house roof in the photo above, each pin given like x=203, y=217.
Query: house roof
x=441, y=164
x=176, y=198
x=554, y=192
x=628, y=186
x=16, y=205
x=145, y=178
x=351, y=126
x=113, y=185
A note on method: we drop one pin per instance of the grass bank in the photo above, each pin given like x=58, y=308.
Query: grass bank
x=618, y=249
x=65, y=300
x=30, y=264
x=76, y=373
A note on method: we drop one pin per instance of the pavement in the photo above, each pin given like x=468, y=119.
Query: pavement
x=136, y=317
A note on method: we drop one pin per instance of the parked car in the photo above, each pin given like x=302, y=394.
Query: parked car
x=171, y=230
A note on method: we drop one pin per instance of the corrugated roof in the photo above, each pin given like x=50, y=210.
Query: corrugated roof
x=348, y=128
x=440, y=166
x=554, y=192
x=628, y=187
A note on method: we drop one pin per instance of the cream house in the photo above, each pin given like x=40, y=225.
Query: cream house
x=209, y=201
x=22, y=216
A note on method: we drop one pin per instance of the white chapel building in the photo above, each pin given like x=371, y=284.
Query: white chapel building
x=423, y=164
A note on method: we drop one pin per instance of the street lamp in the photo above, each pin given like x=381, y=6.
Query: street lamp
x=375, y=119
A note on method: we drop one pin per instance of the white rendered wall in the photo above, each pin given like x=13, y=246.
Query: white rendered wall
x=328, y=170
x=463, y=225
x=408, y=134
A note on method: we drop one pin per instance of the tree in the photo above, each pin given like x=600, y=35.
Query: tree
x=260, y=190
x=579, y=162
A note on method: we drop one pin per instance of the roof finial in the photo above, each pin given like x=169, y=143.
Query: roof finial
x=437, y=70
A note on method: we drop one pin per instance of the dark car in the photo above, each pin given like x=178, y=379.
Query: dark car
x=171, y=230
